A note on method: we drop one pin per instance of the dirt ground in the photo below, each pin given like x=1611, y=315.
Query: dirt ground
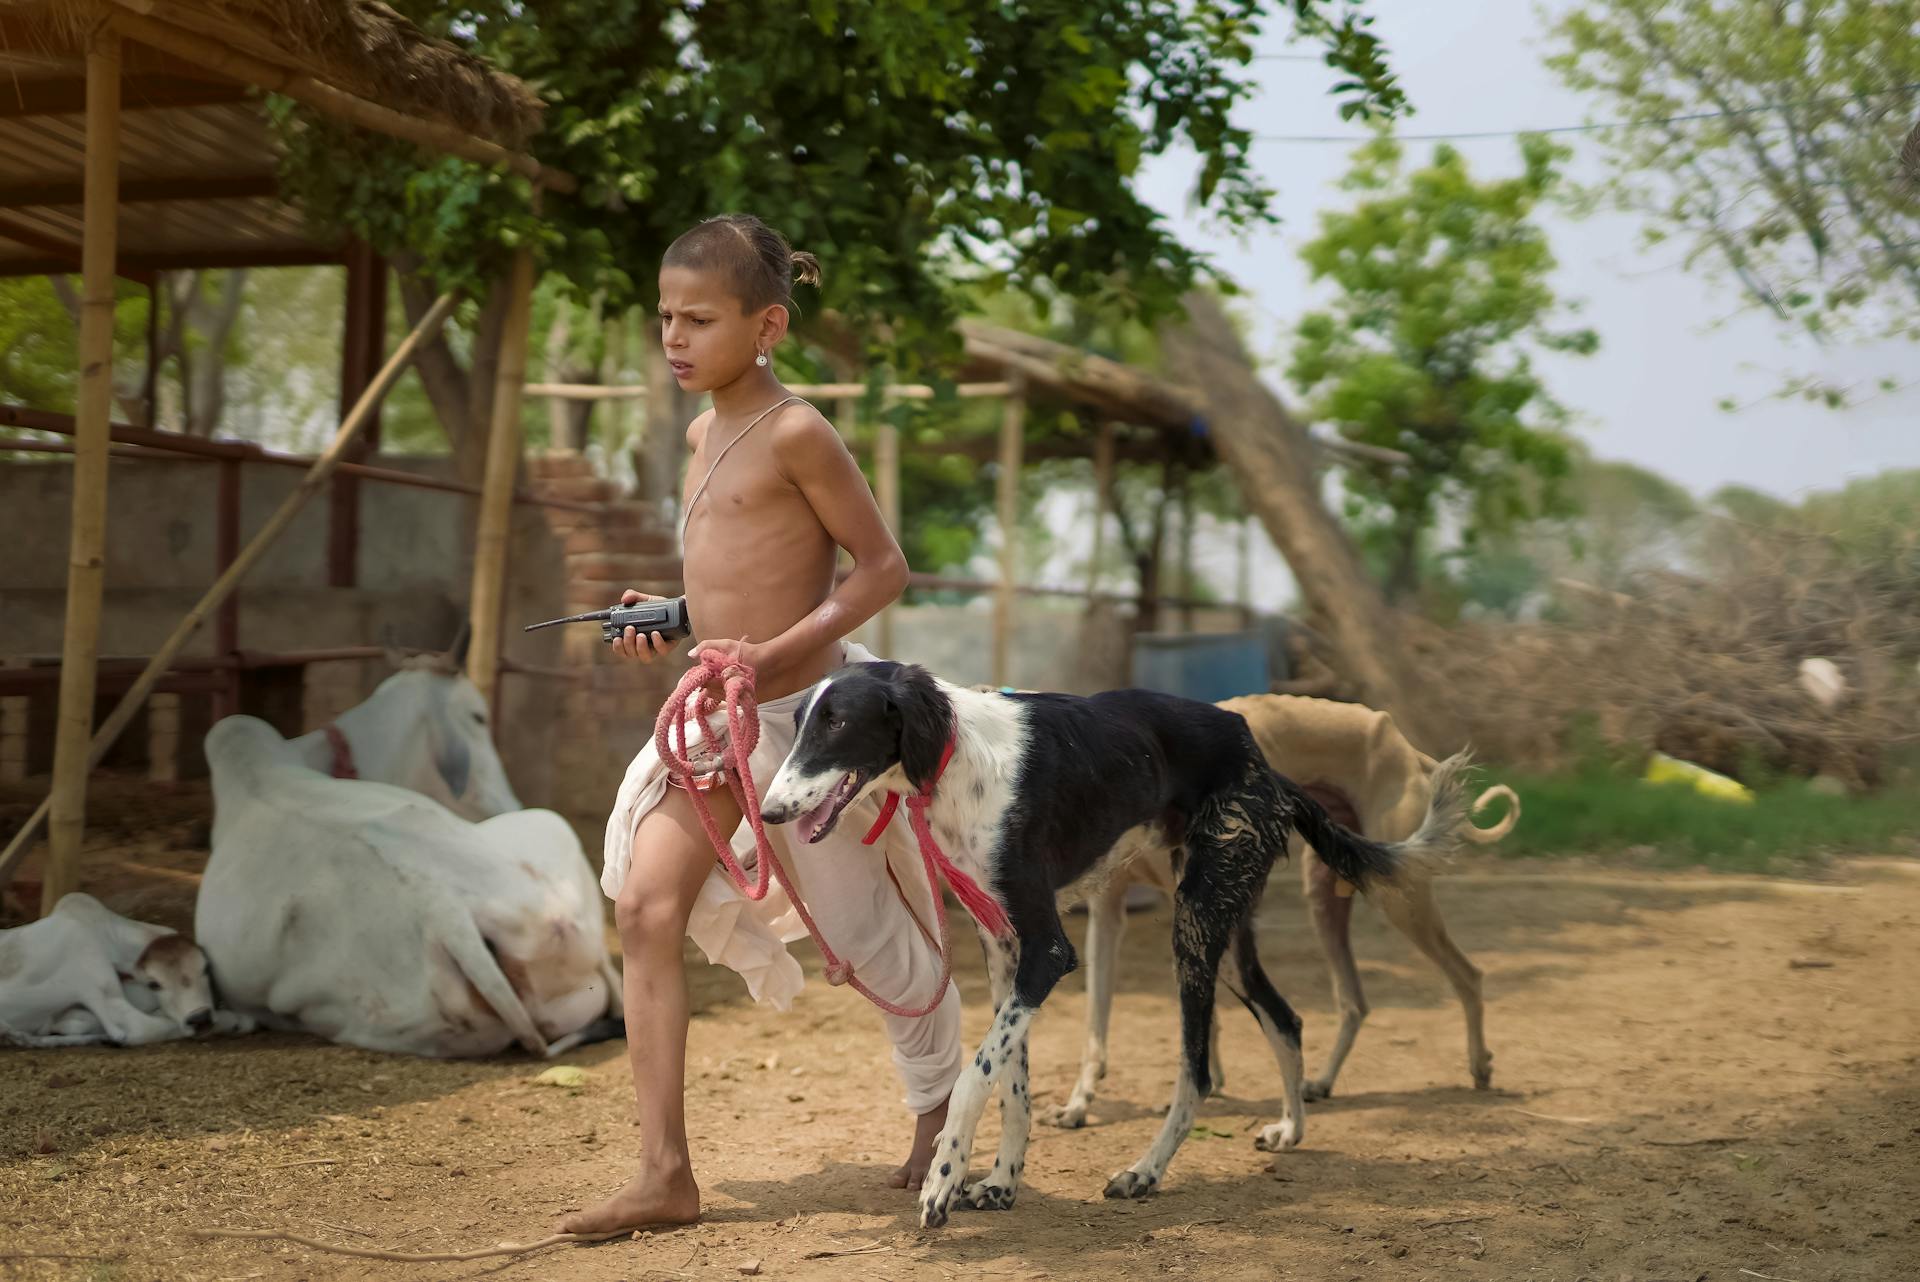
x=1696, y=1077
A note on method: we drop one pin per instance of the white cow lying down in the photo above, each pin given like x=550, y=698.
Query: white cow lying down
x=371, y=914
x=83, y=975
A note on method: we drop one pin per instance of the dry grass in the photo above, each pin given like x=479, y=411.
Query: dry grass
x=1704, y=669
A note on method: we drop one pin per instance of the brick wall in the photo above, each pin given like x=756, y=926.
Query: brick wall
x=606, y=711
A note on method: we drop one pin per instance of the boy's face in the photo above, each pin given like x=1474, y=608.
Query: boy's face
x=709, y=340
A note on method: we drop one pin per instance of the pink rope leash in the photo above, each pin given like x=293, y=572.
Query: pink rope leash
x=691, y=698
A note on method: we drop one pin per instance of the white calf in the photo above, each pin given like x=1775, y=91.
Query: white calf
x=83, y=975
x=370, y=914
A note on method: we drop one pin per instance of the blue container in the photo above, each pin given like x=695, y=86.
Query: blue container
x=1208, y=667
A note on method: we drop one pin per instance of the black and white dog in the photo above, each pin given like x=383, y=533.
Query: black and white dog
x=1038, y=792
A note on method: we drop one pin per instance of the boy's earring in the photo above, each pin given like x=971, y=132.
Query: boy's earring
x=761, y=359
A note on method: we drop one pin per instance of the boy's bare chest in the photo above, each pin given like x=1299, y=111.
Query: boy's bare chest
x=746, y=494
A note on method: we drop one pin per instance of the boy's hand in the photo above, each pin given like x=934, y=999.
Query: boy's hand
x=760, y=658
x=631, y=644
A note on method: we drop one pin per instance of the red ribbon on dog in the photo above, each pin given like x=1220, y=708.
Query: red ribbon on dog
x=693, y=698
x=985, y=908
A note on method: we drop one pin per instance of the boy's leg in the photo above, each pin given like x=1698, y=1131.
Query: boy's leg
x=671, y=860
x=857, y=905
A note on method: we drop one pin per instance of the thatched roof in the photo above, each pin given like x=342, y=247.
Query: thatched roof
x=198, y=160
x=369, y=50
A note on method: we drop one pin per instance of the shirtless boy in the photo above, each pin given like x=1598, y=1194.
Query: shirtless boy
x=771, y=496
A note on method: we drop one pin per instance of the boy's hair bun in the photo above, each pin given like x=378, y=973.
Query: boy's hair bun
x=759, y=265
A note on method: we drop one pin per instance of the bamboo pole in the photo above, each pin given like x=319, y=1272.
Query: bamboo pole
x=1012, y=438
x=886, y=484
x=311, y=484
x=86, y=557
x=228, y=61
x=496, y=495
x=1102, y=496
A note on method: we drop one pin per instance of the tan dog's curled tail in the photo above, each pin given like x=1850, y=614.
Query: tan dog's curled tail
x=1487, y=836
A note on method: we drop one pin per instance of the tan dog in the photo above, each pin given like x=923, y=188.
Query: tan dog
x=1358, y=765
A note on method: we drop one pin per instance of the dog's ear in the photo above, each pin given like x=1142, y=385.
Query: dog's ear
x=926, y=722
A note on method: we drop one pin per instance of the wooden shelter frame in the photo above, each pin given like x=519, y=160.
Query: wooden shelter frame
x=89, y=56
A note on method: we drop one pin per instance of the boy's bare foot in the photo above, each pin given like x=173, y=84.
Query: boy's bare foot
x=925, y=1131
x=647, y=1200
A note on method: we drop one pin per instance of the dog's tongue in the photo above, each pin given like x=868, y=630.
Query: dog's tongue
x=815, y=821
x=820, y=818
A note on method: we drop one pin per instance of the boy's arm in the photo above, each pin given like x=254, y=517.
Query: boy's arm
x=813, y=457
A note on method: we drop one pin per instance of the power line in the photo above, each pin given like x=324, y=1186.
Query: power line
x=1351, y=140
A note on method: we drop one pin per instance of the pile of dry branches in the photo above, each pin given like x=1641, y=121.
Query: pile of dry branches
x=1704, y=668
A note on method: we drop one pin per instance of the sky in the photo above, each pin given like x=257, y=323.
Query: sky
x=1673, y=344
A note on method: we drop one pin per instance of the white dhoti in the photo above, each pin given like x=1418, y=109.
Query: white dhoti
x=859, y=897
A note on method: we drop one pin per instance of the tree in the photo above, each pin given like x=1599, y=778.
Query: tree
x=906, y=145
x=1443, y=290
x=1622, y=522
x=1765, y=136
x=39, y=340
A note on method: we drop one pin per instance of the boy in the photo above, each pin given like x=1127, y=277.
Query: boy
x=778, y=496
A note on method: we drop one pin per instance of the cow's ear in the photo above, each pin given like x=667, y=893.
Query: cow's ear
x=926, y=723
x=454, y=762
x=457, y=652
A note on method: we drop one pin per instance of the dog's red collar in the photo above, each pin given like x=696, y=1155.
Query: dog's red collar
x=892, y=804
x=342, y=767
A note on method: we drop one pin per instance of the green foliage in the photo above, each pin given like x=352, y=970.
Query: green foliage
x=37, y=346
x=1598, y=811
x=905, y=144
x=40, y=341
x=1443, y=290
x=1785, y=181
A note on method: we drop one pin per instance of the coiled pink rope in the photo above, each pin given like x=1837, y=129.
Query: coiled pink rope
x=692, y=699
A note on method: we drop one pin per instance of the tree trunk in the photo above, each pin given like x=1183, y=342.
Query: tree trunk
x=208, y=398
x=658, y=460
x=462, y=397
x=1270, y=457
x=1403, y=576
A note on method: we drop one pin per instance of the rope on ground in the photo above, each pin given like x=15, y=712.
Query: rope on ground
x=425, y=1257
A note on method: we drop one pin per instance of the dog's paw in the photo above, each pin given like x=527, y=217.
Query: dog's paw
x=1314, y=1092
x=943, y=1184
x=982, y=1196
x=1281, y=1135
x=936, y=1200
x=1070, y=1116
x=1131, y=1184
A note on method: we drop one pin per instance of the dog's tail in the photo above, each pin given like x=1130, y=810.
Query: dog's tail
x=1362, y=862
x=1486, y=836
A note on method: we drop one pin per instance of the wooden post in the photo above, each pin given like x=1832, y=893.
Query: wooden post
x=363, y=344
x=886, y=486
x=86, y=558
x=223, y=587
x=1187, y=590
x=1102, y=496
x=226, y=546
x=1012, y=439
x=150, y=385
x=1244, y=579
x=496, y=494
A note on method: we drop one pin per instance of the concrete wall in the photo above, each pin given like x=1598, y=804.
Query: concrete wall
x=415, y=567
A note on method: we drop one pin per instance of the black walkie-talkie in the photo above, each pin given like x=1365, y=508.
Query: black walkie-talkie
x=668, y=618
